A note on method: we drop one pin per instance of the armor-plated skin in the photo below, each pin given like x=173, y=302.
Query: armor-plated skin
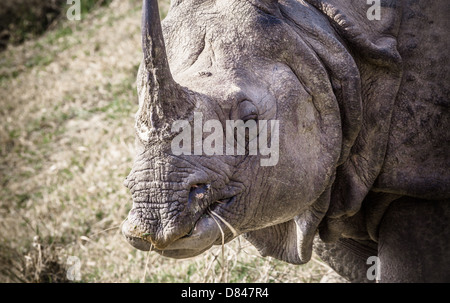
x=364, y=135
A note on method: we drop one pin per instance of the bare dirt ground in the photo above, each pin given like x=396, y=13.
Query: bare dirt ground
x=67, y=104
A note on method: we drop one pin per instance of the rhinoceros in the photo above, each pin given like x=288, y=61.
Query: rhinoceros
x=360, y=97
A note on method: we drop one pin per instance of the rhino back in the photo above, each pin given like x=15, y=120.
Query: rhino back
x=417, y=160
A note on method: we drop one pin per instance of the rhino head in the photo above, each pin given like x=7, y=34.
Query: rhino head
x=254, y=60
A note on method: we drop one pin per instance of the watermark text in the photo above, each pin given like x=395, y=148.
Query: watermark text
x=241, y=137
x=373, y=272
x=74, y=11
x=374, y=11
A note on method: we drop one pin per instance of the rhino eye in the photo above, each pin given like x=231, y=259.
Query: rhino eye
x=247, y=111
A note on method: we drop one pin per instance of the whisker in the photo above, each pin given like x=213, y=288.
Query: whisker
x=105, y=230
x=223, y=239
x=235, y=233
x=213, y=214
x=146, y=265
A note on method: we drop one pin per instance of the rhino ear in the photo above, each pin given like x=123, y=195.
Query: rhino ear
x=375, y=39
x=291, y=241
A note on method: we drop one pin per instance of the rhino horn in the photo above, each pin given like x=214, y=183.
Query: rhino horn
x=162, y=93
x=153, y=46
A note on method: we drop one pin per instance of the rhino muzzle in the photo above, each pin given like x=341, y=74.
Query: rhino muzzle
x=177, y=225
x=173, y=202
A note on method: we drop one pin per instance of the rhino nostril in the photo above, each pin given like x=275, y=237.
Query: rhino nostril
x=198, y=191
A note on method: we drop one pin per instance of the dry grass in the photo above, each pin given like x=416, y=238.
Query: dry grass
x=67, y=101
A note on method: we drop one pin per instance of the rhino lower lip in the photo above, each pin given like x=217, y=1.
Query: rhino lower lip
x=203, y=236
x=214, y=206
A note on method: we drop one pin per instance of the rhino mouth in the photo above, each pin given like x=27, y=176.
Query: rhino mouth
x=208, y=229
x=210, y=211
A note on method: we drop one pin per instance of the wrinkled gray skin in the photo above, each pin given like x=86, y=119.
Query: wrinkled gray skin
x=364, y=133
